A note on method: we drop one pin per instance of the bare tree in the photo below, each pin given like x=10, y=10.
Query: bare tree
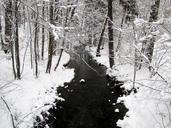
x=1, y=38
x=36, y=43
x=120, y=33
x=8, y=45
x=130, y=12
x=8, y=26
x=110, y=33
x=17, y=55
x=101, y=37
x=30, y=38
x=51, y=39
x=65, y=23
x=153, y=17
x=43, y=32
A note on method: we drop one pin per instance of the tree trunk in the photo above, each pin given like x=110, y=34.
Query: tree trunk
x=1, y=38
x=35, y=44
x=110, y=33
x=63, y=43
x=60, y=56
x=17, y=56
x=101, y=37
x=8, y=26
x=8, y=45
x=120, y=33
x=24, y=16
x=43, y=32
x=153, y=17
x=51, y=39
x=37, y=34
x=31, y=47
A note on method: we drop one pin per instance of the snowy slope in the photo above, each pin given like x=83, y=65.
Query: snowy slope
x=28, y=97
x=150, y=106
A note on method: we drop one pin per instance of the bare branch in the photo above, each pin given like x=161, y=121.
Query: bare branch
x=12, y=117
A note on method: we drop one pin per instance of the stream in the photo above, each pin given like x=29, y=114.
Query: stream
x=90, y=98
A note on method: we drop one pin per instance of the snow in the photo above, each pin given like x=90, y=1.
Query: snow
x=116, y=110
x=139, y=22
x=104, y=60
x=82, y=81
x=30, y=96
x=150, y=106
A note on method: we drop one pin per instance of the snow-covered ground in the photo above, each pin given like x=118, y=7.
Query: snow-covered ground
x=28, y=97
x=150, y=107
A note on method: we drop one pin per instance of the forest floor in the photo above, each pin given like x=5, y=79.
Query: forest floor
x=150, y=106
x=28, y=97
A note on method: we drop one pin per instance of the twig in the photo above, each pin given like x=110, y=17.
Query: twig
x=168, y=112
x=150, y=87
x=156, y=72
x=12, y=117
x=30, y=114
x=169, y=32
x=162, y=120
x=4, y=85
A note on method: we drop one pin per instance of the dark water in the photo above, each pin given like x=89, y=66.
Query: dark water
x=90, y=104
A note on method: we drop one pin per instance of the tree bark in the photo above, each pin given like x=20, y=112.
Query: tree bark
x=63, y=43
x=1, y=38
x=101, y=38
x=60, y=56
x=8, y=26
x=110, y=33
x=31, y=47
x=35, y=44
x=17, y=56
x=51, y=39
x=8, y=45
x=153, y=17
x=43, y=32
x=120, y=33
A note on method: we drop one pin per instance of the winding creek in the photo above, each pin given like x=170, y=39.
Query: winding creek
x=89, y=104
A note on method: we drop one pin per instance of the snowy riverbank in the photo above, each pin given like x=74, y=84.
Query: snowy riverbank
x=29, y=96
x=150, y=106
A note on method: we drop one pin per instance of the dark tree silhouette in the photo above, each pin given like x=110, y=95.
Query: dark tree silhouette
x=51, y=39
x=110, y=33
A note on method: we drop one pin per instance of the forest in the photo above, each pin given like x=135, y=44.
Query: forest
x=85, y=63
